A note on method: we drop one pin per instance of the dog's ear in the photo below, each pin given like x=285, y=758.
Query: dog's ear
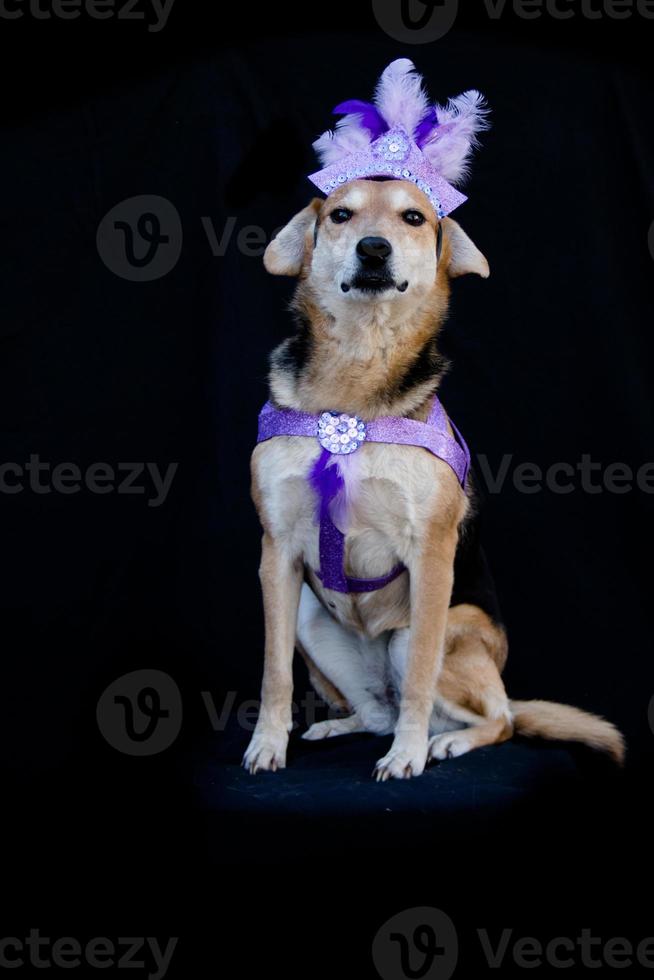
x=285, y=253
x=462, y=255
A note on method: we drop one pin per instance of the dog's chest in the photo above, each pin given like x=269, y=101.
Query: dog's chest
x=390, y=494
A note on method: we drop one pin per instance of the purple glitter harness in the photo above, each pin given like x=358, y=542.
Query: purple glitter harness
x=341, y=434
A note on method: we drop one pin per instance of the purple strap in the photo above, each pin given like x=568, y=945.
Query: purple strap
x=327, y=480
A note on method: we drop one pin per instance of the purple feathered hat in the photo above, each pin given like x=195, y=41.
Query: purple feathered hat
x=400, y=135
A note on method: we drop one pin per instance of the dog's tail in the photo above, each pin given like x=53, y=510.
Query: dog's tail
x=546, y=719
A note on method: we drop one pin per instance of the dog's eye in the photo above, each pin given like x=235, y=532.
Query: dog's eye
x=340, y=215
x=414, y=218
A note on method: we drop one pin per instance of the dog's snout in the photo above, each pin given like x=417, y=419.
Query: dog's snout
x=374, y=248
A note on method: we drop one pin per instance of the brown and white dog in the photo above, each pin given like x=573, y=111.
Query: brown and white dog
x=402, y=659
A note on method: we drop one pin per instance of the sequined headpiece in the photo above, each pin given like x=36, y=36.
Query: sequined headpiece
x=400, y=135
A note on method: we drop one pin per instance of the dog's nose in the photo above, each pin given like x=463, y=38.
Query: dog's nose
x=374, y=248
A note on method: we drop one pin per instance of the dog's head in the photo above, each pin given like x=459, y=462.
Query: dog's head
x=373, y=242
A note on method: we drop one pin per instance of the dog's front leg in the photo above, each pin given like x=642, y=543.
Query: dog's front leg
x=281, y=581
x=431, y=579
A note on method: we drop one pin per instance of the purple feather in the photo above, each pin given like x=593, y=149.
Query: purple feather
x=426, y=126
x=371, y=118
x=326, y=480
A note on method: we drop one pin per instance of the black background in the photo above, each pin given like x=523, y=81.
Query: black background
x=552, y=360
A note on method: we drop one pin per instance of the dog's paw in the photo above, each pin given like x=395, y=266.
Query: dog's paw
x=266, y=753
x=332, y=727
x=450, y=745
x=401, y=763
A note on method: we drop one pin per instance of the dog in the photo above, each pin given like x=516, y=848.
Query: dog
x=407, y=659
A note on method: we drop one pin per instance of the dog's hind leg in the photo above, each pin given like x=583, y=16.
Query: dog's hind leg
x=449, y=745
x=334, y=726
x=322, y=685
x=348, y=670
x=471, y=708
x=470, y=687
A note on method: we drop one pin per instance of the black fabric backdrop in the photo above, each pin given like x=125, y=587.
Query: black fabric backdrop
x=552, y=361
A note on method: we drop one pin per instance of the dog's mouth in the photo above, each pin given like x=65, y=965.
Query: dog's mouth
x=374, y=282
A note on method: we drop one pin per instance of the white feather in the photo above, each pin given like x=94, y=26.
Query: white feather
x=342, y=506
x=450, y=146
x=399, y=95
x=348, y=137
